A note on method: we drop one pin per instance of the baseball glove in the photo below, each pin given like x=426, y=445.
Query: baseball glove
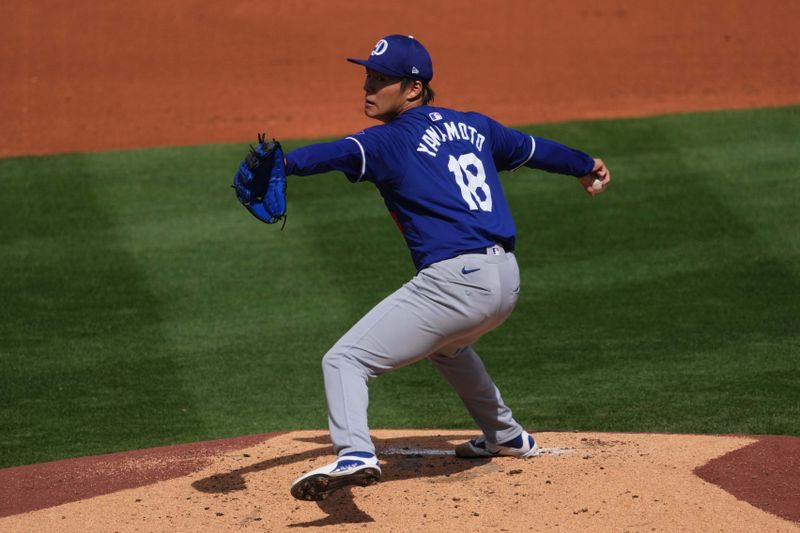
x=260, y=181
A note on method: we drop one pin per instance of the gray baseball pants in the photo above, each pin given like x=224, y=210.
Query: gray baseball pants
x=438, y=314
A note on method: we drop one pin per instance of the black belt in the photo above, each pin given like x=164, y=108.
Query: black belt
x=484, y=250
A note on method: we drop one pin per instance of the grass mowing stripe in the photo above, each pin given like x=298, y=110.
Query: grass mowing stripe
x=84, y=365
x=138, y=282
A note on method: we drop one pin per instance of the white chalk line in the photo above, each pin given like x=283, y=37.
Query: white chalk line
x=433, y=452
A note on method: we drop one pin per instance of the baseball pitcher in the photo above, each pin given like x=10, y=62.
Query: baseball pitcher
x=437, y=170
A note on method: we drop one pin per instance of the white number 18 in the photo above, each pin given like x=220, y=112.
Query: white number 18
x=471, y=179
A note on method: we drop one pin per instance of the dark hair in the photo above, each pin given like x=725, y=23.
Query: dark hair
x=427, y=93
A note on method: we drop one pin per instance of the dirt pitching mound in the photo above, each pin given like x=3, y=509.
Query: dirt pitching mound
x=581, y=481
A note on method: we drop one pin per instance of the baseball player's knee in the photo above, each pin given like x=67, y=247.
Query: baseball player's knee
x=331, y=361
x=337, y=360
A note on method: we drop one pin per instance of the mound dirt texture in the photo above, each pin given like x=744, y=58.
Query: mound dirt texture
x=92, y=75
x=581, y=482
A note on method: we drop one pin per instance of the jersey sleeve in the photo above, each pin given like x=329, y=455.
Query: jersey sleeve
x=552, y=156
x=358, y=156
x=510, y=148
x=343, y=155
x=513, y=149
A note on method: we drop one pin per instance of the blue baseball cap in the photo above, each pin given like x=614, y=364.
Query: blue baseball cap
x=400, y=56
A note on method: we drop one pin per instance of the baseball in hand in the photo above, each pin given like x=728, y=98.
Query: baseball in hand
x=597, y=184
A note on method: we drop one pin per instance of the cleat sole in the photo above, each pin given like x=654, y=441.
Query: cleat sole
x=319, y=486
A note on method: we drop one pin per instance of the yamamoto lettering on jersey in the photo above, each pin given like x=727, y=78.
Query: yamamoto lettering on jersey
x=434, y=136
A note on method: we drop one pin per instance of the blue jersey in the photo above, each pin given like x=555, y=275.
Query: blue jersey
x=437, y=170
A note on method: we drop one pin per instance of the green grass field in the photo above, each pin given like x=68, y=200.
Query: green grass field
x=141, y=305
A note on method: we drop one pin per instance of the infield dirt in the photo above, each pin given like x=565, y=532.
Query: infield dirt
x=86, y=76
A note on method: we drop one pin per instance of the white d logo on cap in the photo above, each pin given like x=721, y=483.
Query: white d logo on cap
x=380, y=48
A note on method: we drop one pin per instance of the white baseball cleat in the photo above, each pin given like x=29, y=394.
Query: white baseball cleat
x=522, y=446
x=357, y=468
